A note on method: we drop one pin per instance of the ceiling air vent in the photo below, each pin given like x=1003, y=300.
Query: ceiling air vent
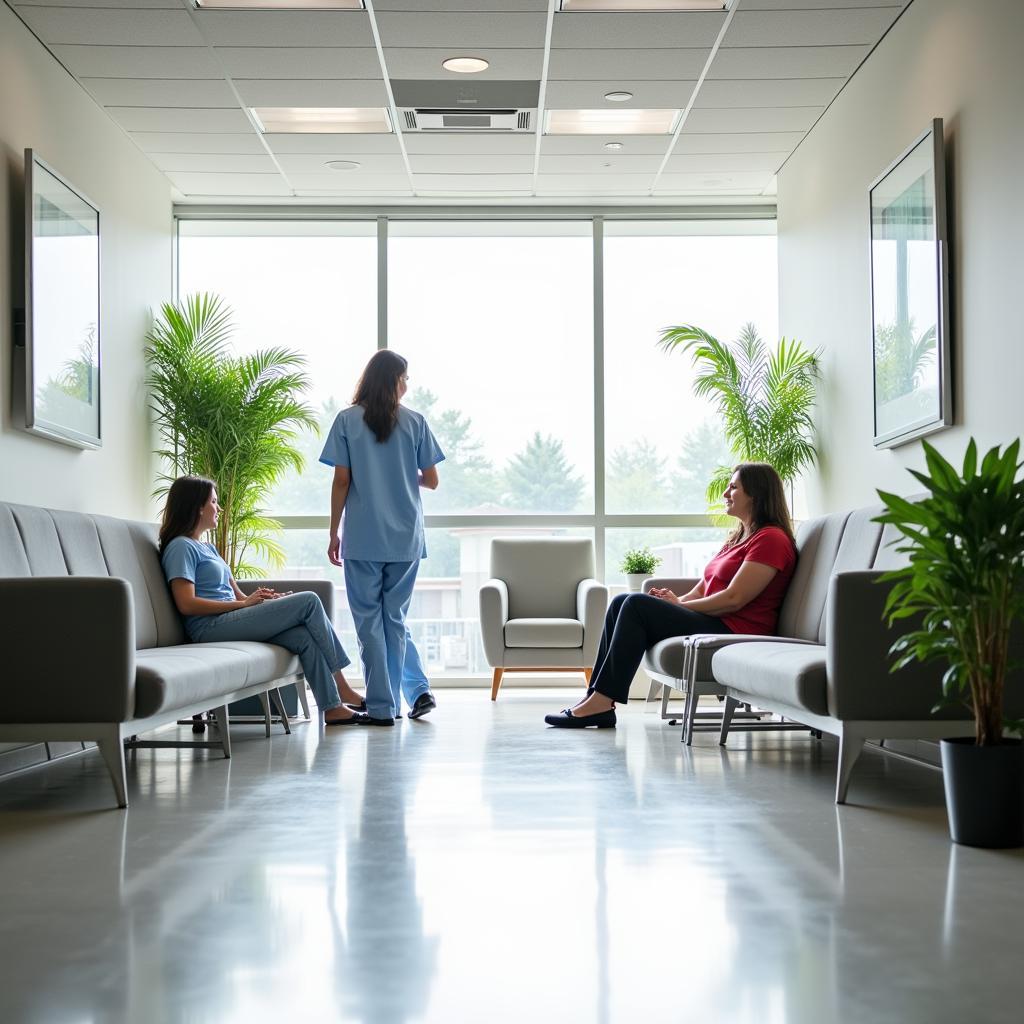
x=432, y=119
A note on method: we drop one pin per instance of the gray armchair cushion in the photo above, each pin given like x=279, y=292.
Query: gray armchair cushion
x=791, y=673
x=667, y=657
x=542, y=573
x=543, y=633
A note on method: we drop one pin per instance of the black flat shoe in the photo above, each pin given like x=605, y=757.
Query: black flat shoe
x=370, y=720
x=425, y=703
x=356, y=719
x=565, y=719
x=361, y=706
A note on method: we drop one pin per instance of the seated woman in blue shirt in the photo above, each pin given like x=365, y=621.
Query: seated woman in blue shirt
x=214, y=608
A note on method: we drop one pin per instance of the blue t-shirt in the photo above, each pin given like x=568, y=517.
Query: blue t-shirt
x=383, y=519
x=188, y=559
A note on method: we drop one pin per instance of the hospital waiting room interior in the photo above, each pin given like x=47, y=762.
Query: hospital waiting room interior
x=511, y=511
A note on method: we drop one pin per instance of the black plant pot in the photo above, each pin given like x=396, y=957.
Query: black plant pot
x=984, y=792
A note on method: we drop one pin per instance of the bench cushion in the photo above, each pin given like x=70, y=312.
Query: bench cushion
x=170, y=677
x=791, y=673
x=543, y=633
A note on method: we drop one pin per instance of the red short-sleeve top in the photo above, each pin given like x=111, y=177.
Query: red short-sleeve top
x=769, y=546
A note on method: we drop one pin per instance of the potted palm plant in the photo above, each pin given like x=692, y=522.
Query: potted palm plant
x=232, y=418
x=764, y=398
x=638, y=564
x=963, y=587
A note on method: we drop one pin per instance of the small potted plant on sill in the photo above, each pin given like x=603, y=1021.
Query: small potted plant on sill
x=964, y=586
x=638, y=564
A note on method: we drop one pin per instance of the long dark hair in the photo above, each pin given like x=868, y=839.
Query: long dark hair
x=377, y=392
x=763, y=484
x=185, y=500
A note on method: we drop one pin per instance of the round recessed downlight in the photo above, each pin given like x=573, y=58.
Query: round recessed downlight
x=465, y=65
x=613, y=145
x=344, y=165
x=618, y=97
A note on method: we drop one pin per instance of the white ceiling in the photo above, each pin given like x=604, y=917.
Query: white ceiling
x=178, y=81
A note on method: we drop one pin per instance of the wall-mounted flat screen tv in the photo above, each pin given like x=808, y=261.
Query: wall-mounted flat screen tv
x=62, y=308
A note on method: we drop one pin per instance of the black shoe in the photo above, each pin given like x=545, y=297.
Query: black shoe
x=356, y=719
x=370, y=720
x=361, y=706
x=565, y=719
x=425, y=703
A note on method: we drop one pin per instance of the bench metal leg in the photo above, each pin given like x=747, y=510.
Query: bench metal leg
x=652, y=692
x=112, y=748
x=850, y=747
x=265, y=701
x=221, y=714
x=279, y=701
x=731, y=705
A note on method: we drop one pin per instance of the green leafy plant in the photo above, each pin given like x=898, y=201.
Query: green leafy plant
x=639, y=560
x=764, y=397
x=965, y=577
x=231, y=418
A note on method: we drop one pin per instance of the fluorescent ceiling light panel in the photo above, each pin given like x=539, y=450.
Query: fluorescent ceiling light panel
x=631, y=6
x=465, y=65
x=281, y=5
x=325, y=120
x=611, y=122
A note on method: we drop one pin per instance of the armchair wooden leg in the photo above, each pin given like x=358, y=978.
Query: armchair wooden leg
x=588, y=672
x=496, y=683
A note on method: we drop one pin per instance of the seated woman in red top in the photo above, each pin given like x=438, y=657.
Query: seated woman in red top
x=741, y=592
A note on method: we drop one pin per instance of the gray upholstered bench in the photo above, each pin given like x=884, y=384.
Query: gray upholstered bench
x=94, y=648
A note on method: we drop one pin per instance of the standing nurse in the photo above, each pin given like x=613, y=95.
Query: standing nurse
x=382, y=454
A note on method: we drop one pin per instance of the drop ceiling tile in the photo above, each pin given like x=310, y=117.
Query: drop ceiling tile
x=469, y=143
x=346, y=146
x=229, y=184
x=473, y=182
x=581, y=145
x=299, y=62
x=182, y=62
x=605, y=164
x=97, y=27
x=459, y=30
x=787, y=62
x=348, y=181
x=247, y=143
x=312, y=93
x=286, y=28
x=727, y=179
x=590, y=95
x=770, y=92
x=753, y=119
x=431, y=164
x=702, y=163
x=168, y=5
x=456, y=6
x=591, y=184
x=627, y=65
x=160, y=92
x=175, y=119
x=419, y=63
x=362, y=195
x=652, y=30
x=816, y=5
x=809, y=28
x=748, y=142
x=221, y=163
x=316, y=164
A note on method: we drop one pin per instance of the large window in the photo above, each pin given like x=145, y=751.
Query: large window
x=497, y=320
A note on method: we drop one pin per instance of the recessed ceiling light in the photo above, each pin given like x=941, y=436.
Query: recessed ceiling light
x=631, y=6
x=282, y=5
x=327, y=120
x=611, y=122
x=618, y=97
x=465, y=65
x=613, y=145
x=344, y=165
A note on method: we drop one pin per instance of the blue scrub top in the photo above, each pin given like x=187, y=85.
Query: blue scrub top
x=200, y=564
x=383, y=519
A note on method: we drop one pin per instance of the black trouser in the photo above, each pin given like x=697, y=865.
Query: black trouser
x=635, y=622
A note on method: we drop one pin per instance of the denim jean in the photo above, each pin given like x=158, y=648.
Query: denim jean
x=633, y=623
x=299, y=624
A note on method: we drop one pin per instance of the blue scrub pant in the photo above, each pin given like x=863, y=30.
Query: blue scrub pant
x=299, y=624
x=378, y=595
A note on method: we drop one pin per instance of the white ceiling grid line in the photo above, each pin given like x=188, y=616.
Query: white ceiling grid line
x=734, y=7
x=542, y=95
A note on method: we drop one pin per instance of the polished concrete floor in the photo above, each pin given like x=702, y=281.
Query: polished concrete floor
x=476, y=866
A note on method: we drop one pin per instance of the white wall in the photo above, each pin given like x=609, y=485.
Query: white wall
x=42, y=107
x=943, y=58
